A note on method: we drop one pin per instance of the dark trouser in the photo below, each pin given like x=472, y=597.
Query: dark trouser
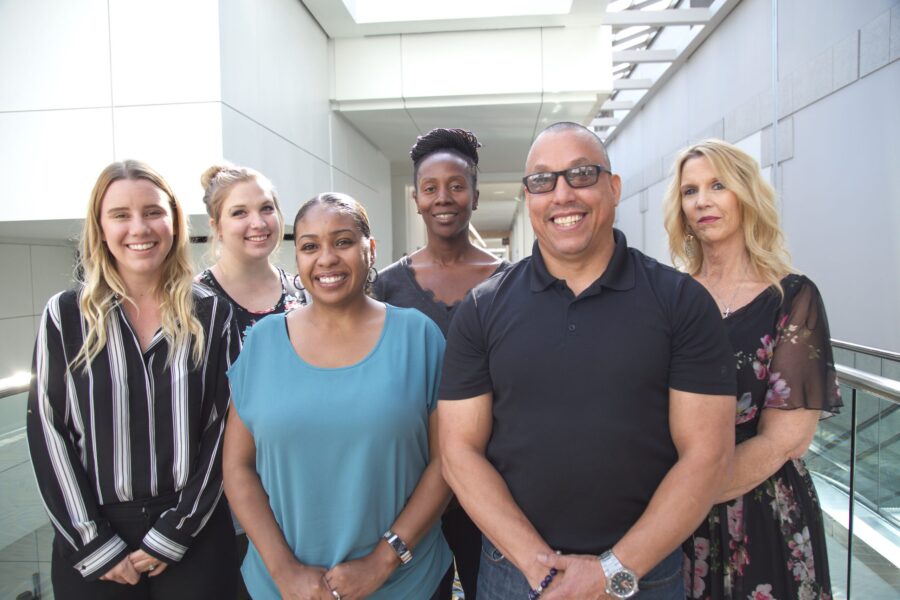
x=439, y=592
x=204, y=573
x=464, y=539
x=499, y=579
x=243, y=543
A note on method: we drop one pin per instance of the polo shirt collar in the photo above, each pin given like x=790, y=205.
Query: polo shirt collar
x=619, y=274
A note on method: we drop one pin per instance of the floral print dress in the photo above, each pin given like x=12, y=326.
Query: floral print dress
x=291, y=297
x=769, y=544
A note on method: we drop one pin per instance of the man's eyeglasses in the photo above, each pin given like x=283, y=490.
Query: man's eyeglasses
x=576, y=177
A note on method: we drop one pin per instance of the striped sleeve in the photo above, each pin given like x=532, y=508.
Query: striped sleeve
x=92, y=547
x=173, y=532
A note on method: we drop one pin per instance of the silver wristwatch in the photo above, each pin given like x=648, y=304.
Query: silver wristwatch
x=620, y=581
x=399, y=546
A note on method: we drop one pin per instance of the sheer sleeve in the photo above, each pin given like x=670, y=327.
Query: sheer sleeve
x=802, y=373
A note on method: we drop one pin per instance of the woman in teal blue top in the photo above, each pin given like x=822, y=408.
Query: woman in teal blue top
x=329, y=460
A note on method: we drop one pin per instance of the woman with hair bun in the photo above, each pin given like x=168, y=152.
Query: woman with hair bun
x=127, y=406
x=437, y=277
x=246, y=228
x=765, y=538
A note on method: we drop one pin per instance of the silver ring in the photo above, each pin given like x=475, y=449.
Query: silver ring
x=151, y=567
x=336, y=595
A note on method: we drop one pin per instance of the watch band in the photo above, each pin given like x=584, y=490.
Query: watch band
x=398, y=545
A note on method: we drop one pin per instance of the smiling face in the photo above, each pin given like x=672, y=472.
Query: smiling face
x=445, y=194
x=136, y=222
x=333, y=256
x=248, y=223
x=571, y=224
x=711, y=211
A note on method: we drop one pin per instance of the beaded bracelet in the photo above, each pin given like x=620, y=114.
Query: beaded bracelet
x=536, y=592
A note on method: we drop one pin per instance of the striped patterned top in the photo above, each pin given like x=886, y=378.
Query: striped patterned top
x=130, y=427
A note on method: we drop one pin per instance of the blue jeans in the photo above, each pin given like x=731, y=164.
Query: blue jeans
x=498, y=579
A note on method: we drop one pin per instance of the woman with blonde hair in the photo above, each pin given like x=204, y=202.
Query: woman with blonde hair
x=127, y=405
x=765, y=538
x=247, y=228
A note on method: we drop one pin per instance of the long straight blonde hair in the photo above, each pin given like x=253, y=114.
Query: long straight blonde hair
x=103, y=287
x=740, y=173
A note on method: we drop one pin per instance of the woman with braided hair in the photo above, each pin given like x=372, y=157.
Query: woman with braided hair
x=434, y=279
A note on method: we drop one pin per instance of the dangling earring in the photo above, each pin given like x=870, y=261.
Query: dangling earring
x=372, y=276
x=689, y=250
x=298, y=283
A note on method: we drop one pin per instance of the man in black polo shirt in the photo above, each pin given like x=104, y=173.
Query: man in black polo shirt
x=587, y=398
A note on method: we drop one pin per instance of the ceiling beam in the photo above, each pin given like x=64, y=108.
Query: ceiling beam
x=644, y=56
x=632, y=84
x=658, y=18
x=719, y=9
x=617, y=105
x=605, y=122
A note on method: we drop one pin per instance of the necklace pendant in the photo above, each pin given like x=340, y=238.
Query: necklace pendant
x=726, y=312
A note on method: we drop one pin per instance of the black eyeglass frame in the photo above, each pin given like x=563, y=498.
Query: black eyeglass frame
x=564, y=173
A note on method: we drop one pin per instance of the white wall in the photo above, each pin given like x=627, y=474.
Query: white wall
x=181, y=85
x=276, y=115
x=499, y=62
x=521, y=238
x=839, y=187
x=32, y=272
x=86, y=82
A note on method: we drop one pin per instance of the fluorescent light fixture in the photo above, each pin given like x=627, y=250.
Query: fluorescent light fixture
x=397, y=11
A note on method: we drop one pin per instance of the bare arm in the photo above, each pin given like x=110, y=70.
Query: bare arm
x=361, y=577
x=465, y=427
x=430, y=498
x=782, y=436
x=702, y=428
x=250, y=503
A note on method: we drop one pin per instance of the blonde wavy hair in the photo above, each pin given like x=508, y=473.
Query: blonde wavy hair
x=739, y=173
x=218, y=181
x=102, y=286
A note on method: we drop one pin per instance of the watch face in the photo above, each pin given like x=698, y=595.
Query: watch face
x=623, y=585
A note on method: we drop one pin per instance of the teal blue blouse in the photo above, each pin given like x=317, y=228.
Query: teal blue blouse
x=340, y=451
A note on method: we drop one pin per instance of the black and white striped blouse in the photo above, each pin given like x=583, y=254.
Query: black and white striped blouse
x=128, y=428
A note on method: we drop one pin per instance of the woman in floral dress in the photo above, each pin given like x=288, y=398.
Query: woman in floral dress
x=765, y=539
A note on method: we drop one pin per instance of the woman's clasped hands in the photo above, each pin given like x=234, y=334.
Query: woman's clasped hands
x=128, y=570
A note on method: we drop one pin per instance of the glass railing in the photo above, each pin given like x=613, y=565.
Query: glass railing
x=857, y=455
x=854, y=455
x=25, y=532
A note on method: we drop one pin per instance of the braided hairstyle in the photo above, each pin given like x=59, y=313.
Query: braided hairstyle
x=455, y=141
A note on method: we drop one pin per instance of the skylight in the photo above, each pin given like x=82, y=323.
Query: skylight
x=390, y=11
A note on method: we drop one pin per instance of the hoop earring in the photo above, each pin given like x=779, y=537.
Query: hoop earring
x=298, y=284
x=372, y=275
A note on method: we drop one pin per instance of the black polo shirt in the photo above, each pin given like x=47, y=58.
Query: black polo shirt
x=581, y=386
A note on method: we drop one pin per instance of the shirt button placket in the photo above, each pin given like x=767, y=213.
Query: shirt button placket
x=572, y=324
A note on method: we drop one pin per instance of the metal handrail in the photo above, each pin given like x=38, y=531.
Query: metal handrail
x=866, y=350
x=16, y=384
x=876, y=385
